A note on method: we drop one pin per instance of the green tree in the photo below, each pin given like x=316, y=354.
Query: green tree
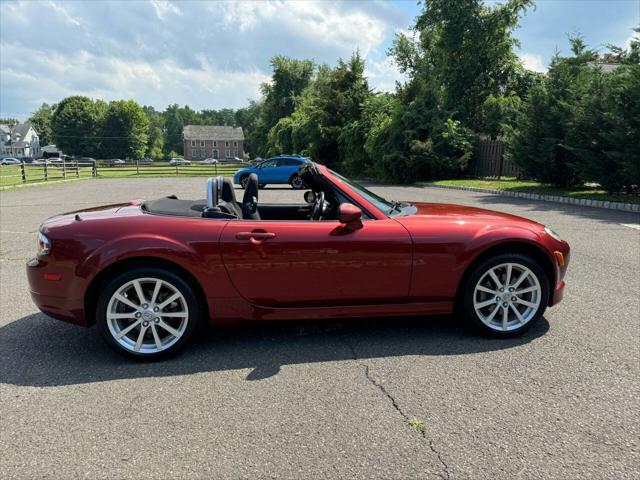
x=9, y=121
x=537, y=139
x=76, y=123
x=420, y=141
x=175, y=118
x=247, y=117
x=41, y=121
x=360, y=139
x=290, y=77
x=465, y=48
x=604, y=133
x=330, y=102
x=125, y=130
x=155, y=143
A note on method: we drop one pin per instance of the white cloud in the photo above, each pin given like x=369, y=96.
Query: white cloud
x=533, y=61
x=634, y=36
x=162, y=7
x=205, y=54
x=383, y=75
x=65, y=14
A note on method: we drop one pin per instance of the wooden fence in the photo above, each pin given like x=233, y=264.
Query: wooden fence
x=11, y=175
x=490, y=162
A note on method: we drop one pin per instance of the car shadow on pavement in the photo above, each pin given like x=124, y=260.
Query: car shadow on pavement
x=41, y=352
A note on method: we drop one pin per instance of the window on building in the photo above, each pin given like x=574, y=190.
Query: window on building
x=215, y=152
x=193, y=143
x=215, y=144
x=226, y=144
x=202, y=143
x=235, y=143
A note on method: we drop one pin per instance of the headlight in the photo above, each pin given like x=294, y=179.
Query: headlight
x=552, y=234
x=44, y=244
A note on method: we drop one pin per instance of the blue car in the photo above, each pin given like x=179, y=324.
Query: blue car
x=281, y=169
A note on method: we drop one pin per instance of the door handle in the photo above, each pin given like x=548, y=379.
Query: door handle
x=255, y=237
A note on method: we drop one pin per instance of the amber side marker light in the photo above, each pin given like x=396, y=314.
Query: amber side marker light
x=559, y=258
x=52, y=277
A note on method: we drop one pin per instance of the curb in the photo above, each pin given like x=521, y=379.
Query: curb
x=583, y=202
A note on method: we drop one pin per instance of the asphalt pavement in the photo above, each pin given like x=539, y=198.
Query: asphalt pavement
x=373, y=398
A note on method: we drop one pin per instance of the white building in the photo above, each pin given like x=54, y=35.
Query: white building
x=19, y=141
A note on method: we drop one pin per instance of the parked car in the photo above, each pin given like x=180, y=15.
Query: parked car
x=10, y=161
x=232, y=160
x=26, y=159
x=145, y=161
x=148, y=273
x=209, y=161
x=40, y=161
x=281, y=169
x=84, y=160
x=179, y=161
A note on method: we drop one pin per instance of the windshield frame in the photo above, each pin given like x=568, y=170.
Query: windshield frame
x=389, y=209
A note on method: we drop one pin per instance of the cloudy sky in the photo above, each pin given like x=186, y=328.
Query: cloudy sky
x=215, y=54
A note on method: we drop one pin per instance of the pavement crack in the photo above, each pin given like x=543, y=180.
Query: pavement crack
x=407, y=420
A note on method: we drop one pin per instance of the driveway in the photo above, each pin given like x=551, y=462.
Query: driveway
x=374, y=398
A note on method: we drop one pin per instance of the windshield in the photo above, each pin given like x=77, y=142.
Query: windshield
x=389, y=208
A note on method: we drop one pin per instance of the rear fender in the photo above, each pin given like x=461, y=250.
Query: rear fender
x=205, y=264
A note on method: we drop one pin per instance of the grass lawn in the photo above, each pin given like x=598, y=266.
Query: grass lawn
x=511, y=184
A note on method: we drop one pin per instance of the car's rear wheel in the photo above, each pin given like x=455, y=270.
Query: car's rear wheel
x=244, y=180
x=505, y=295
x=297, y=183
x=147, y=313
x=262, y=185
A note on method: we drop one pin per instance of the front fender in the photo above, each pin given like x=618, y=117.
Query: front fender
x=441, y=259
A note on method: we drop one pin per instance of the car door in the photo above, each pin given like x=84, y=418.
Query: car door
x=286, y=168
x=311, y=264
x=267, y=171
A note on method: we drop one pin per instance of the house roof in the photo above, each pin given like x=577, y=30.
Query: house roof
x=212, y=132
x=14, y=130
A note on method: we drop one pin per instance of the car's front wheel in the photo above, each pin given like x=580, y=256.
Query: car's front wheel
x=244, y=181
x=147, y=313
x=505, y=295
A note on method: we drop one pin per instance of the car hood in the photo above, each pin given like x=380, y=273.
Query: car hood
x=464, y=215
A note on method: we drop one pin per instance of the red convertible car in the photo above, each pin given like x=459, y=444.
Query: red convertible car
x=147, y=273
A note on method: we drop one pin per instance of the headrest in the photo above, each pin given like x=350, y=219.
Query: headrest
x=214, y=187
x=228, y=194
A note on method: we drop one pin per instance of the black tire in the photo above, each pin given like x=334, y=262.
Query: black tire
x=297, y=183
x=193, y=319
x=466, y=301
x=243, y=181
x=262, y=185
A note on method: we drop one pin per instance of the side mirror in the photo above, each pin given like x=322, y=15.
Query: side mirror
x=350, y=216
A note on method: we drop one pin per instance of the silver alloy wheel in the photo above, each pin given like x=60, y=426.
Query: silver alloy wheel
x=507, y=297
x=147, y=315
x=297, y=182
